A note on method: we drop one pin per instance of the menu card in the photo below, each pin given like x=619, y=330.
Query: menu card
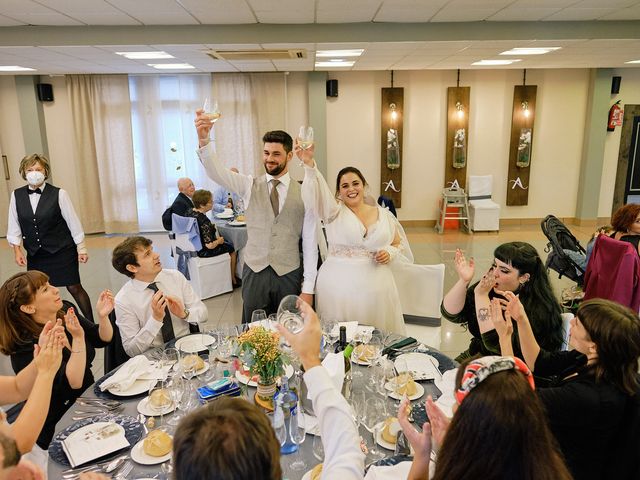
x=94, y=441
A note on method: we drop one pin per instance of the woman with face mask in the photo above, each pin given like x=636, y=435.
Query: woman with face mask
x=43, y=220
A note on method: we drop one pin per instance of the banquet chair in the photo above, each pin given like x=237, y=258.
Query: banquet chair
x=566, y=327
x=421, y=290
x=209, y=276
x=484, y=213
x=114, y=354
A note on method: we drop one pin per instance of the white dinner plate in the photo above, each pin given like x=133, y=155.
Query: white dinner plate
x=395, y=396
x=138, y=455
x=422, y=365
x=224, y=215
x=194, y=343
x=236, y=223
x=144, y=408
x=379, y=440
x=138, y=387
x=242, y=378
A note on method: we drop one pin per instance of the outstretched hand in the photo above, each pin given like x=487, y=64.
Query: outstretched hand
x=502, y=324
x=514, y=307
x=203, y=127
x=464, y=268
x=420, y=441
x=305, y=155
x=106, y=303
x=439, y=421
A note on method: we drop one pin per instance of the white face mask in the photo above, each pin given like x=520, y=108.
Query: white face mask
x=35, y=178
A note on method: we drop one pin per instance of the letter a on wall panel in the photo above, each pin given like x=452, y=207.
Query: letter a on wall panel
x=392, y=119
x=455, y=169
x=522, y=119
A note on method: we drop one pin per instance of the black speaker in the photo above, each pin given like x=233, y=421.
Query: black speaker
x=615, y=84
x=332, y=88
x=45, y=92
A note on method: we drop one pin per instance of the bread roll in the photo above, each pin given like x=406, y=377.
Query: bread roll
x=364, y=353
x=160, y=398
x=157, y=444
x=316, y=473
x=193, y=359
x=390, y=430
x=405, y=385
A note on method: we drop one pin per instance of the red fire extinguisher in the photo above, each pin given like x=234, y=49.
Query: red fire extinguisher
x=615, y=117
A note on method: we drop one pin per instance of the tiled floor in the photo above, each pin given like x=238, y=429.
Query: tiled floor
x=428, y=248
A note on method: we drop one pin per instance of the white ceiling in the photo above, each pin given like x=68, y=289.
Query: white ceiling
x=82, y=36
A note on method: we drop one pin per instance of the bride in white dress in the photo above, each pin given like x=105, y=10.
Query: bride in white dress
x=356, y=281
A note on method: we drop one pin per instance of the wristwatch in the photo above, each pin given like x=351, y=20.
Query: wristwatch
x=186, y=314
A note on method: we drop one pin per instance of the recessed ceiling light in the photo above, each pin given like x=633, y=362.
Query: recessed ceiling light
x=633, y=61
x=496, y=62
x=171, y=66
x=334, y=63
x=145, y=55
x=530, y=51
x=15, y=68
x=340, y=53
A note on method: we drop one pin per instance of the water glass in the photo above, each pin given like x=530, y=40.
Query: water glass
x=373, y=421
x=290, y=315
x=258, y=315
x=176, y=388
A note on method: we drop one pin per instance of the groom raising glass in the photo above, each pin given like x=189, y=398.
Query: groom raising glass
x=277, y=218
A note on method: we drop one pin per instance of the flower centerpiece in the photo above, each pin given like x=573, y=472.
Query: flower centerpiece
x=259, y=350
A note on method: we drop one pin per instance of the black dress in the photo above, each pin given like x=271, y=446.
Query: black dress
x=47, y=238
x=207, y=235
x=62, y=395
x=585, y=415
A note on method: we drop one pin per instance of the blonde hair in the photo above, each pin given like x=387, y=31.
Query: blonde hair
x=31, y=160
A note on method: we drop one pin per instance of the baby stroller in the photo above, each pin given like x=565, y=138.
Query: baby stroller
x=566, y=256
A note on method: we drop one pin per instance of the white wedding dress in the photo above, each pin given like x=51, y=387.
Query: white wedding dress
x=351, y=285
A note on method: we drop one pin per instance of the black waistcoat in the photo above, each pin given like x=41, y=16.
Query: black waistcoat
x=45, y=229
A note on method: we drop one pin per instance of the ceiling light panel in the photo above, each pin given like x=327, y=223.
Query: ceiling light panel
x=145, y=55
x=171, y=66
x=340, y=53
x=530, y=51
x=495, y=62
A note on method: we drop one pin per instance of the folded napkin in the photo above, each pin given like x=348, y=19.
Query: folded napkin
x=94, y=441
x=128, y=373
x=157, y=372
x=446, y=385
x=334, y=365
x=393, y=472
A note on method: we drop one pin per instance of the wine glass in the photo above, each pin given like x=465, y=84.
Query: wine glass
x=189, y=366
x=258, y=316
x=298, y=435
x=318, y=448
x=169, y=357
x=403, y=378
x=211, y=110
x=176, y=388
x=330, y=331
x=290, y=315
x=373, y=420
x=305, y=137
x=159, y=399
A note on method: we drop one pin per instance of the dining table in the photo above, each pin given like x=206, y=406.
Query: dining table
x=237, y=235
x=129, y=409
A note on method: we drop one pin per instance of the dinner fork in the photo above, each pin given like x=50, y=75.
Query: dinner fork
x=126, y=470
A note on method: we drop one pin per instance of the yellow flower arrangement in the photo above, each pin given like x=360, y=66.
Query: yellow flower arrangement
x=259, y=350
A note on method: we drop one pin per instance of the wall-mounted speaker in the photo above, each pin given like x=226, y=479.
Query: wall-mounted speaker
x=332, y=88
x=615, y=84
x=45, y=92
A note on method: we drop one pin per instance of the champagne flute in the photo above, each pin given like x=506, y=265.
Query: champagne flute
x=297, y=436
x=211, y=110
x=290, y=315
x=305, y=137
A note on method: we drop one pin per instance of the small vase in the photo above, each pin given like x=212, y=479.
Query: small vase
x=266, y=390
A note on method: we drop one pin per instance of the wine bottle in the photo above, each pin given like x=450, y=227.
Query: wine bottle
x=342, y=342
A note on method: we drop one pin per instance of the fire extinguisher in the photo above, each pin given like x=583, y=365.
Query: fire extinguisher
x=615, y=117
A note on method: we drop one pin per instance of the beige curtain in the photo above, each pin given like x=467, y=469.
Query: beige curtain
x=251, y=104
x=101, y=112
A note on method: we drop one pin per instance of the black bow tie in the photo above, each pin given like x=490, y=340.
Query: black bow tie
x=37, y=190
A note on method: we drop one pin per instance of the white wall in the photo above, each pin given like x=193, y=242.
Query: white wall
x=629, y=94
x=354, y=134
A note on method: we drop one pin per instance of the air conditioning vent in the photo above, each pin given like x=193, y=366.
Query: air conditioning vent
x=253, y=55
